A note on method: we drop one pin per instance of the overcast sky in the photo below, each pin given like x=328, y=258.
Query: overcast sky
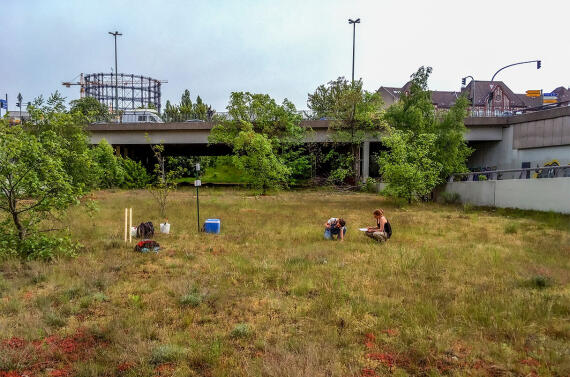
x=283, y=48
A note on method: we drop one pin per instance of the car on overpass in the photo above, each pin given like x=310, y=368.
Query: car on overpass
x=140, y=116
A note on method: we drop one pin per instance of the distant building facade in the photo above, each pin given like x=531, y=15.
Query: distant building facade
x=487, y=98
x=17, y=116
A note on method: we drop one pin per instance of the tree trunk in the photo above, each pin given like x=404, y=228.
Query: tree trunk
x=21, y=230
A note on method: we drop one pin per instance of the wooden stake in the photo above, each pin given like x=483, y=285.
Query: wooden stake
x=130, y=225
x=126, y=225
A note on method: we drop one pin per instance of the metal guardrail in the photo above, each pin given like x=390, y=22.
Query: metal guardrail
x=481, y=113
x=524, y=173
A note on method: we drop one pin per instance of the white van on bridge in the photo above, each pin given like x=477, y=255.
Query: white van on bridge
x=140, y=116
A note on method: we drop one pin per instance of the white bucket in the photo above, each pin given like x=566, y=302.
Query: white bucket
x=133, y=231
x=165, y=228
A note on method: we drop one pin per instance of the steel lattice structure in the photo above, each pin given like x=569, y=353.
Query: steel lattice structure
x=134, y=91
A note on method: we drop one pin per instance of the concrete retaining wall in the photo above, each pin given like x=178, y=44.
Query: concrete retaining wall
x=546, y=194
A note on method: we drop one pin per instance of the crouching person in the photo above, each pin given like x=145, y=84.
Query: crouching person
x=383, y=230
x=335, y=226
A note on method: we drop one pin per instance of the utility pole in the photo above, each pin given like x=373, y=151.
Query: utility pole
x=353, y=22
x=115, y=34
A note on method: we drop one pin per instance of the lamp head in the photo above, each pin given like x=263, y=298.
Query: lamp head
x=351, y=21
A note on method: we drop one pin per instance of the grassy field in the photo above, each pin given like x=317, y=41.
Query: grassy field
x=456, y=291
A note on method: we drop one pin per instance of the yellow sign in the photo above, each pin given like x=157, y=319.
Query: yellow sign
x=549, y=101
x=533, y=93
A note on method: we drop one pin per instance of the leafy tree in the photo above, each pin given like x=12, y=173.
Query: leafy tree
x=451, y=148
x=33, y=185
x=171, y=113
x=90, y=108
x=186, y=109
x=108, y=168
x=259, y=128
x=416, y=113
x=410, y=168
x=254, y=154
x=135, y=175
x=52, y=116
x=355, y=114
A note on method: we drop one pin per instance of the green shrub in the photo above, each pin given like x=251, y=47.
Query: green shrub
x=38, y=246
x=108, y=169
x=370, y=185
x=450, y=197
x=481, y=177
x=166, y=353
x=241, y=330
x=511, y=228
x=467, y=207
x=192, y=299
x=135, y=175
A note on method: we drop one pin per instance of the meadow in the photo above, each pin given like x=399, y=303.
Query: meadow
x=456, y=291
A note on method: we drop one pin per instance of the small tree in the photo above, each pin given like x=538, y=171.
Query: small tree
x=409, y=168
x=165, y=181
x=355, y=114
x=33, y=183
x=416, y=113
x=425, y=146
x=262, y=134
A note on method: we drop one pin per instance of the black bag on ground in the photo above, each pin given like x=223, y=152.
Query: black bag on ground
x=145, y=230
x=388, y=229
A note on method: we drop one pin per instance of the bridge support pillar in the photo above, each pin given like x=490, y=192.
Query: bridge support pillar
x=365, y=160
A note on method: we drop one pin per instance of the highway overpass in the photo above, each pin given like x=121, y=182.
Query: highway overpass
x=538, y=135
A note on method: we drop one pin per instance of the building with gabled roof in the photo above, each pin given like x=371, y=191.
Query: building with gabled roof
x=488, y=98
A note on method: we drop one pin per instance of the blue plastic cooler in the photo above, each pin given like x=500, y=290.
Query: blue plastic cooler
x=212, y=226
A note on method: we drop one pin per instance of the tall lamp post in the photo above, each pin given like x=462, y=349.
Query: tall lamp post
x=353, y=22
x=115, y=34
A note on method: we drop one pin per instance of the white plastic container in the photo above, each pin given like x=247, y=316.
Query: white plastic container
x=133, y=231
x=165, y=228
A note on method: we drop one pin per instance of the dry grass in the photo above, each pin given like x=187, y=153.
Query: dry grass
x=454, y=292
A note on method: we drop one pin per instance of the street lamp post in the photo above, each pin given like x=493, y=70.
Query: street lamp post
x=353, y=22
x=115, y=34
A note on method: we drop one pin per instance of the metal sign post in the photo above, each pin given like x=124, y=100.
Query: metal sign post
x=198, y=183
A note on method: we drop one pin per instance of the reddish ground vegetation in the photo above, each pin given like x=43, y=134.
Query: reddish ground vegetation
x=53, y=352
x=164, y=369
x=384, y=357
x=391, y=332
x=530, y=362
x=368, y=373
x=123, y=367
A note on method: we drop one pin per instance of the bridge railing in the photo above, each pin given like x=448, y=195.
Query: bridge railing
x=523, y=173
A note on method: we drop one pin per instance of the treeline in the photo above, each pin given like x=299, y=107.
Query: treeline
x=47, y=164
x=186, y=110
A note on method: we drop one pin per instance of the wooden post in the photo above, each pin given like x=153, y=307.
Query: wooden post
x=130, y=225
x=126, y=229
